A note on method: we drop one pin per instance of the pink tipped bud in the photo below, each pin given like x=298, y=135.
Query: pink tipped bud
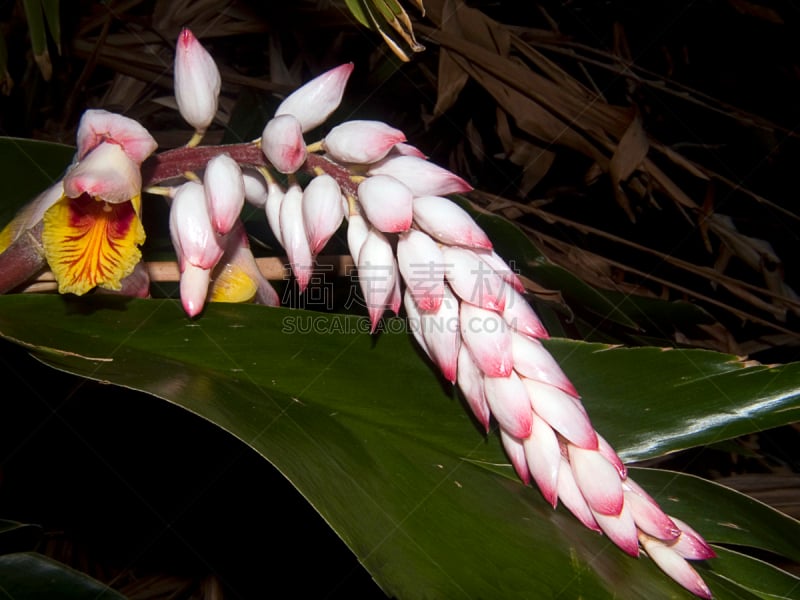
x=439, y=329
x=224, y=187
x=377, y=271
x=488, y=339
x=423, y=177
x=322, y=211
x=98, y=126
x=387, y=203
x=361, y=142
x=414, y=321
x=472, y=280
x=422, y=266
x=563, y=413
x=674, y=565
x=470, y=381
x=521, y=316
x=516, y=454
x=197, y=82
x=502, y=268
x=604, y=448
x=532, y=360
x=620, y=529
x=283, y=145
x=293, y=233
x=190, y=227
x=107, y=174
x=509, y=403
x=572, y=498
x=690, y=544
x=597, y=479
x=544, y=458
x=447, y=222
x=647, y=515
x=314, y=102
x=194, y=288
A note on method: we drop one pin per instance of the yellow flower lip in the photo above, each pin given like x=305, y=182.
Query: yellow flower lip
x=92, y=234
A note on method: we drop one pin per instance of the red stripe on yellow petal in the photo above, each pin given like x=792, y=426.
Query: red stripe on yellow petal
x=90, y=243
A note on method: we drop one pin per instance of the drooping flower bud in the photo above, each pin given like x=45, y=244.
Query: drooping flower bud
x=322, y=211
x=361, y=142
x=387, y=203
x=472, y=280
x=293, y=233
x=255, y=188
x=282, y=143
x=224, y=188
x=272, y=208
x=421, y=264
x=447, y=222
x=197, y=82
x=313, y=102
x=190, y=226
x=488, y=339
x=423, y=177
x=674, y=565
x=377, y=271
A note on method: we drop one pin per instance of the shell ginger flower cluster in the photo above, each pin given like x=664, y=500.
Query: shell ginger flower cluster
x=417, y=252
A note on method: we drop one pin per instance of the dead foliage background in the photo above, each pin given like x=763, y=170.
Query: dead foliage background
x=648, y=149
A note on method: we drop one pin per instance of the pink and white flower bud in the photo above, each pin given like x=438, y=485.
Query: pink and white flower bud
x=604, y=448
x=357, y=230
x=224, y=187
x=106, y=173
x=322, y=211
x=532, y=360
x=97, y=126
x=647, y=514
x=543, y=452
x=190, y=227
x=447, y=222
x=283, y=145
x=272, y=208
x=516, y=454
x=690, y=544
x=674, y=565
x=620, y=529
x=414, y=320
x=314, y=102
x=470, y=382
x=361, y=142
x=508, y=401
x=488, y=339
x=293, y=234
x=387, y=203
x=563, y=413
x=255, y=188
x=423, y=177
x=441, y=333
x=421, y=264
x=598, y=481
x=193, y=287
x=377, y=272
x=472, y=280
x=501, y=267
x=197, y=82
x=396, y=299
x=521, y=316
x=572, y=498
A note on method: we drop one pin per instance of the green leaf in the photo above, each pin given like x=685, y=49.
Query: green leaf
x=31, y=576
x=381, y=447
x=29, y=168
x=356, y=8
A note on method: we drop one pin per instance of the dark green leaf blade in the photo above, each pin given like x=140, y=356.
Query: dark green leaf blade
x=364, y=429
